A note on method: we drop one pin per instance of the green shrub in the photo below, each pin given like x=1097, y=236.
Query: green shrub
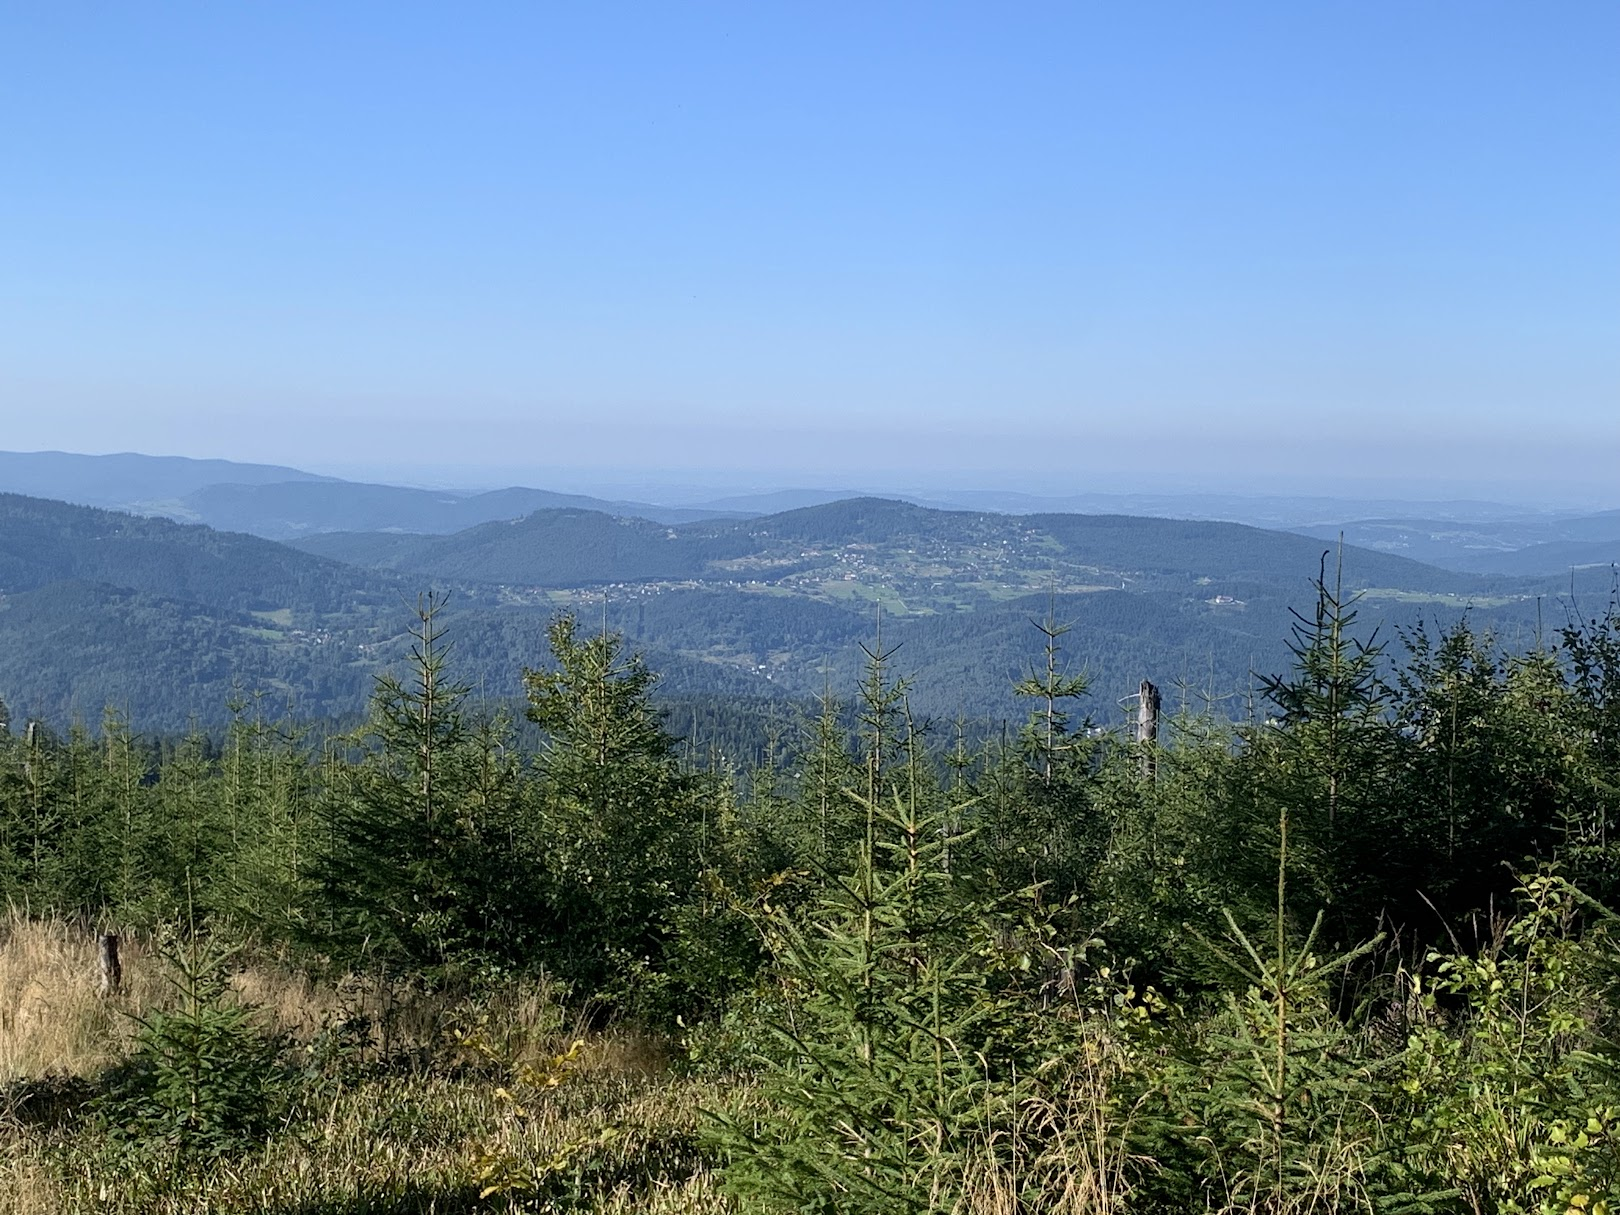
x=204, y=1079
x=1513, y=1090
x=894, y=1040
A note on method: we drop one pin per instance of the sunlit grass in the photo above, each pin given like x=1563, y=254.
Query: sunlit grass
x=405, y=1134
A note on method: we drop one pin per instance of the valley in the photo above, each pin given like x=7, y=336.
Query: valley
x=177, y=622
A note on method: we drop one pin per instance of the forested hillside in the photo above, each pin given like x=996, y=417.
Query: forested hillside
x=1353, y=952
x=98, y=603
x=101, y=609
x=936, y=558
x=44, y=542
x=789, y=598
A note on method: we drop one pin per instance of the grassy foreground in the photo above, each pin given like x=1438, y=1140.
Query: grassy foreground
x=403, y=1101
x=1497, y=1098
x=399, y=1117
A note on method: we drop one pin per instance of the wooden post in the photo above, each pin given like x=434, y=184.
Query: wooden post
x=112, y=973
x=1147, y=728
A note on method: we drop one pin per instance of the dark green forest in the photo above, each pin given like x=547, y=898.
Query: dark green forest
x=1350, y=948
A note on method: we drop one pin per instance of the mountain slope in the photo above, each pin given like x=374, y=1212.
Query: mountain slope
x=170, y=621
x=174, y=620
x=42, y=542
x=282, y=511
x=920, y=554
x=127, y=481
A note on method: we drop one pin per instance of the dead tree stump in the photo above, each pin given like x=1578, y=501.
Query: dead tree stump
x=1147, y=728
x=112, y=971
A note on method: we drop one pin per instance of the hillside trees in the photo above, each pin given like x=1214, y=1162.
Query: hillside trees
x=893, y=1041
x=427, y=858
x=623, y=825
x=1326, y=757
x=1039, y=822
x=75, y=825
x=1490, y=750
x=268, y=793
x=1590, y=814
x=33, y=795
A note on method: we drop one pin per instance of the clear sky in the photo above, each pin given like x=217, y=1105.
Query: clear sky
x=1082, y=246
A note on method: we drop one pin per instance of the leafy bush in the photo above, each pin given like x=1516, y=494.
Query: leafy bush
x=1513, y=1087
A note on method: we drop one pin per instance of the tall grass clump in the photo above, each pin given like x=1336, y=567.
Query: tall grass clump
x=53, y=1019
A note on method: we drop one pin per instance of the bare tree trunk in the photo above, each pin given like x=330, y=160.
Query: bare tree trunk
x=1147, y=728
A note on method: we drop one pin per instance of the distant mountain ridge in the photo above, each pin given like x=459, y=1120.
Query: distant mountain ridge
x=1527, y=546
x=280, y=503
x=282, y=511
x=128, y=480
x=1294, y=511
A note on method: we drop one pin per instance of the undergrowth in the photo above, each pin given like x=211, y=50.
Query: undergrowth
x=1474, y=1082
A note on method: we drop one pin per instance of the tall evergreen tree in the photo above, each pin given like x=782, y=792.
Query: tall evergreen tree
x=623, y=822
x=1590, y=821
x=1039, y=820
x=419, y=858
x=1489, y=770
x=1327, y=757
x=893, y=1037
x=268, y=791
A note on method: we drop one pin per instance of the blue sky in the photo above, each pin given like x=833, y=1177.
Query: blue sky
x=1082, y=246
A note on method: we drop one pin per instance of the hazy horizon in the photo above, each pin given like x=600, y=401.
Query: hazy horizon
x=669, y=486
x=1261, y=249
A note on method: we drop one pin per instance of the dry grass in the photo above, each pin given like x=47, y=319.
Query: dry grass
x=52, y=1021
x=1063, y=1150
x=400, y=1145
x=26, y=1184
x=381, y=1140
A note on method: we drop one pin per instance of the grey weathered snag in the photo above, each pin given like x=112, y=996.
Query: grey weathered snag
x=1147, y=727
x=112, y=972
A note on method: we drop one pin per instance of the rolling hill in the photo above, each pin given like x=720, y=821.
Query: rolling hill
x=1525, y=546
x=283, y=510
x=100, y=608
x=786, y=599
x=171, y=621
x=928, y=559
x=44, y=542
